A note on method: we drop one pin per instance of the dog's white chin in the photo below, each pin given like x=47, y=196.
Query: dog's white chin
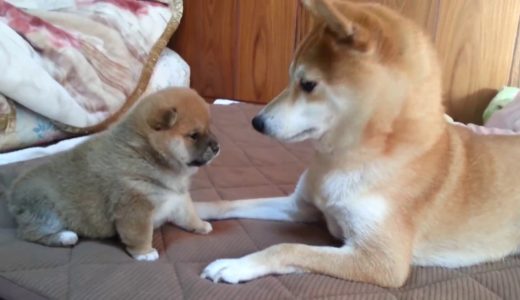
x=299, y=137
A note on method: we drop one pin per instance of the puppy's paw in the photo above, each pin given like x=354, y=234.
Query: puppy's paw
x=204, y=228
x=67, y=238
x=150, y=256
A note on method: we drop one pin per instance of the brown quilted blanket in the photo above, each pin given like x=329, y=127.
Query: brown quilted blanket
x=251, y=165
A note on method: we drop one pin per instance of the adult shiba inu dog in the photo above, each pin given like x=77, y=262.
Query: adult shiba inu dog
x=124, y=181
x=390, y=176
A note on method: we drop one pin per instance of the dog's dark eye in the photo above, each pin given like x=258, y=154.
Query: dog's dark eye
x=307, y=86
x=194, y=136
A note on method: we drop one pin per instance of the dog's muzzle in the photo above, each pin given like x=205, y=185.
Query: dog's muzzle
x=258, y=124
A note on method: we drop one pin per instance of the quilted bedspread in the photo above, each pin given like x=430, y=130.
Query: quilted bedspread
x=250, y=165
x=72, y=66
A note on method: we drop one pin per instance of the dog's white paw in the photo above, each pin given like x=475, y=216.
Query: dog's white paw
x=68, y=238
x=150, y=256
x=234, y=270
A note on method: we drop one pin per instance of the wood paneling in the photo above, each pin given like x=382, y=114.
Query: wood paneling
x=206, y=39
x=266, y=39
x=475, y=40
x=422, y=12
x=241, y=49
x=479, y=47
x=514, y=77
x=304, y=23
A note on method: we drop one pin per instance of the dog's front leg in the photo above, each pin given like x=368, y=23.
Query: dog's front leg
x=377, y=266
x=290, y=208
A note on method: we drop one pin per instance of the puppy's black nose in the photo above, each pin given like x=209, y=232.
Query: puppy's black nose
x=214, y=147
x=258, y=124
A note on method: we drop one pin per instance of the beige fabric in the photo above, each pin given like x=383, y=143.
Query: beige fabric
x=251, y=165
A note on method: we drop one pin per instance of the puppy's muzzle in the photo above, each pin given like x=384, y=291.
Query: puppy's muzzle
x=209, y=152
x=214, y=146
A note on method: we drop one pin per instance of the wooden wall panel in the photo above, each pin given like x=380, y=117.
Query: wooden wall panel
x=514, y=77
x=242, y=49
x=206, y=39
x=422, y=12
x=475, y=40
x=479, y=47
x=304, y=23
x=266, y=38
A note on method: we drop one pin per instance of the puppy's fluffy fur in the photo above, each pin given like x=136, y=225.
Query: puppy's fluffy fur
x=125, y=181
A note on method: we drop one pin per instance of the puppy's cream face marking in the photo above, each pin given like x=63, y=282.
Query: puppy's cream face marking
x=194, y=152
x=177, y=145
x=181, y=131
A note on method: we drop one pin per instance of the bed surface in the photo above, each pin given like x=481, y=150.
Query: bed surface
x=250, y=165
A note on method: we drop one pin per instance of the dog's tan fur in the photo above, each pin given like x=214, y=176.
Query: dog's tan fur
x=124, y=181
x=391, y=178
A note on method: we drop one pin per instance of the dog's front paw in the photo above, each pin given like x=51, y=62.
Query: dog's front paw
x=150, y=256
x=204, y=228
x=234, y=270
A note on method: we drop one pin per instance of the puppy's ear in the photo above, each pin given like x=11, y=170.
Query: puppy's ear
x=163, y=119
x=341, y=18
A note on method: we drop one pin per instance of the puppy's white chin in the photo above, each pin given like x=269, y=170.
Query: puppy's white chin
x=192, y=170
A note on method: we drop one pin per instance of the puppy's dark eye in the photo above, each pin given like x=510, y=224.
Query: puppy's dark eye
x=194, y=136
x=307, y=85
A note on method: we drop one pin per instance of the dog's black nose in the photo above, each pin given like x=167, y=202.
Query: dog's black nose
x=258, y=124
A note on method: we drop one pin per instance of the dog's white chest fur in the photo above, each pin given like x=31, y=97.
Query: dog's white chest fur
x=348, y=209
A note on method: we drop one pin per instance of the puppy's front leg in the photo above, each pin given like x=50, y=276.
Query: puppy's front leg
x=187, y=218
x=379, y=266
x=135, y=228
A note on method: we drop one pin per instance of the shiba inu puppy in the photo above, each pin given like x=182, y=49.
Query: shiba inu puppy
x=124, y=181
x=392, y=179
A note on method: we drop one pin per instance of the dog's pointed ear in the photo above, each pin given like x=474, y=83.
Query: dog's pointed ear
x=163, y=119
x=339, y=18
